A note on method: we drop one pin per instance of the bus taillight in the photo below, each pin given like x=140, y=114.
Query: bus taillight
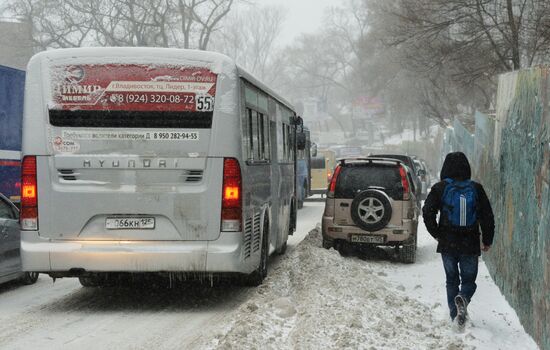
x=231, y=196
x=29, y=194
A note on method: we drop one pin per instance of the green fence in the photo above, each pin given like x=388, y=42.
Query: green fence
x=511, y=157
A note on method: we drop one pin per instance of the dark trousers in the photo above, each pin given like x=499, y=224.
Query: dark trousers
x=461, y=273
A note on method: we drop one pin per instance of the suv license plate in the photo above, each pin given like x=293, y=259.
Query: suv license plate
x=367, y=239
x=145, y=223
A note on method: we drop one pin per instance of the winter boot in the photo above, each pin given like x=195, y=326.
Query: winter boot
x=462, y=311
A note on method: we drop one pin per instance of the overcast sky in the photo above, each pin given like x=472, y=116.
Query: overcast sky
x=303, y=15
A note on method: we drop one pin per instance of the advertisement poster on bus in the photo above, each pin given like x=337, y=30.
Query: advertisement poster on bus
x=133, y=87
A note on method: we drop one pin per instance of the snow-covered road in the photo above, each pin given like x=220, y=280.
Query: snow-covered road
x=313, y=298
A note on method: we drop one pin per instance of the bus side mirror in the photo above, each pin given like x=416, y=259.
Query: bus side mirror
x=314, y=150
x=296, y=120
x=301, y=141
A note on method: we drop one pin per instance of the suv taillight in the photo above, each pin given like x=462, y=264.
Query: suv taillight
x=231, y=196
x=332, y=186
x=405, y=184
x=29, y=195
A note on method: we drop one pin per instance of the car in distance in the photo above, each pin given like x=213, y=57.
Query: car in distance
x=371, y=202
x=409, y=162
x=423, y=176
x=10, y=257
x=322, y=167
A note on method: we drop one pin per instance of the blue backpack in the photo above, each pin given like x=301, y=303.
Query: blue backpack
x=459, y=203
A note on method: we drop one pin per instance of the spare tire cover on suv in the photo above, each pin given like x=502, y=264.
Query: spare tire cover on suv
x=371, y=210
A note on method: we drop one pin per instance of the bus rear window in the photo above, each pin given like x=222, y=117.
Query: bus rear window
x=318, y=163
x=131, y=119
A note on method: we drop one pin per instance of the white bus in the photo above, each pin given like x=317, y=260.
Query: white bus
x=153, y=160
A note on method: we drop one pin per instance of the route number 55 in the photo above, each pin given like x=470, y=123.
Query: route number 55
x=205, y=103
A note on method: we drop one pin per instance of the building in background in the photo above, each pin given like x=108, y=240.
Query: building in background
x=324, y=128
x=16, y=45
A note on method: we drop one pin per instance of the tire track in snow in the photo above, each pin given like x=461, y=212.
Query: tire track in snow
x=126, y=315
x=66, y=315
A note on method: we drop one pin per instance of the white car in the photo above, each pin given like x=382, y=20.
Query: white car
x=422, y=174
x=10, y=257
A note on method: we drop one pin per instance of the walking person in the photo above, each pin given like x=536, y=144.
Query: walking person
x=463, y=209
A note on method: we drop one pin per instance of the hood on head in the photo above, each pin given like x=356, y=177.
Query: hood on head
x=456, y=166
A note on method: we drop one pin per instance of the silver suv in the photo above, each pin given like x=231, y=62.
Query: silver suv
x=371, y=202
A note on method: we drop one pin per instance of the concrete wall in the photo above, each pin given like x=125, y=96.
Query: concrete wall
x=511, y=158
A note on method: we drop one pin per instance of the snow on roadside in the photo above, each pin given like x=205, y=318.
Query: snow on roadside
x=317, y=299
x=494, y=323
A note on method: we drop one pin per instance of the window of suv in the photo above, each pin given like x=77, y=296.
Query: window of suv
x=408, y=161
x=354, y=178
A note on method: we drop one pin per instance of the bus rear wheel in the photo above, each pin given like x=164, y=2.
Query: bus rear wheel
x=257, y=277
x=303, y=195
x=89, y=281
x=29, y=278
x=96, y=280
x=282, y=250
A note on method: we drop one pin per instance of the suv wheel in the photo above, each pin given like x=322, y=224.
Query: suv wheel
x=408, y=252
x=371, y=210
x=327, y=244
x=345, y=249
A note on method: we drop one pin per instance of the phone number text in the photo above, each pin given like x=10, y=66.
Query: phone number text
x=152, y=98
x=175, y=136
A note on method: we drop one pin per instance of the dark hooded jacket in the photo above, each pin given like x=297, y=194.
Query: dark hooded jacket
x=452, y=240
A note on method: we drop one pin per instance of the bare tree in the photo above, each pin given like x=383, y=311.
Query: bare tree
x=168, y=23
x=326, y=64
x=455, y=48
x=201, y=18
x=51, y=23
x=251, y=37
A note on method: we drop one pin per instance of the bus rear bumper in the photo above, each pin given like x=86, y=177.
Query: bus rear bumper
x=318, y=191
x=223, y=255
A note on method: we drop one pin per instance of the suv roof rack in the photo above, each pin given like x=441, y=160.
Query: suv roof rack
x=342, y=161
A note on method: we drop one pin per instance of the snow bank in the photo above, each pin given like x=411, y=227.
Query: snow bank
x=316, y=299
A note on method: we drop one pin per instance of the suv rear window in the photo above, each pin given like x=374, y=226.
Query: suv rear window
x=131, y=119
x=357, y=178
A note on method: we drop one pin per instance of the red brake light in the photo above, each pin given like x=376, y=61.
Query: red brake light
x=29, y=194
x=332, y=187
x=404, y=183
x=231, y=196
x=231, y=193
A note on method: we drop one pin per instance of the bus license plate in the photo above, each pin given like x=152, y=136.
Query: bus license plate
x=146, y=223
x=367, y=239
